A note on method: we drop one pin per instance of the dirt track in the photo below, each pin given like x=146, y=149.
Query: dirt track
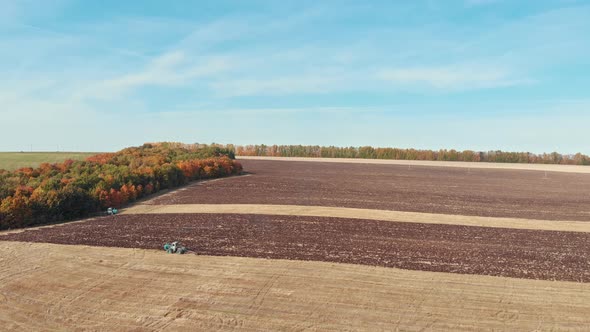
x=483, y=192
x=370, y=214
x=115, y=289
x=428, y=247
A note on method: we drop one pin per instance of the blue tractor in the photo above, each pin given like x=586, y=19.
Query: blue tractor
x=175, y=248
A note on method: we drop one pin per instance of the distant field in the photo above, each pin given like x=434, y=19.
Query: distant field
x=482, y=192
x=15, y=160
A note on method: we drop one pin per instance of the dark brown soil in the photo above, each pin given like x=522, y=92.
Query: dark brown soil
x=477, y=192
x=458, y=249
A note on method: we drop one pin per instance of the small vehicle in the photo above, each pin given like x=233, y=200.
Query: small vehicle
x=112, y=211
x=175, y=248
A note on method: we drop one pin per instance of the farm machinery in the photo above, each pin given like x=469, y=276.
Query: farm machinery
x=175, y=248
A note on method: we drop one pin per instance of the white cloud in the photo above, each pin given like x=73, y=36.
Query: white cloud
x=454, y=77
x=479, y=2
x=18, y=11
x=278, y=85
x=169, y=69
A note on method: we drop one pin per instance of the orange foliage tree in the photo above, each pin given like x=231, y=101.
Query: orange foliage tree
x=74, y=189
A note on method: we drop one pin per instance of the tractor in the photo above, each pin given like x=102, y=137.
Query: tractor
x=175, y=248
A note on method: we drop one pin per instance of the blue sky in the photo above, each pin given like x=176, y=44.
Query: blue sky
x=464, y=74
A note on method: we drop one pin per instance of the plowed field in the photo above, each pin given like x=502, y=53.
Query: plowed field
x=429, y=247
x=317, y=246
x=476, y=192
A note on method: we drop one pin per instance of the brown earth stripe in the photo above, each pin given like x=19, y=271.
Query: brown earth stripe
x=428, y=163
x=429, y=247
x=482, y=192
x=383, y=215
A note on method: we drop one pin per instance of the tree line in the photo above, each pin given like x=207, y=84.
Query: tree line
x=369, y=152
x=75, y=189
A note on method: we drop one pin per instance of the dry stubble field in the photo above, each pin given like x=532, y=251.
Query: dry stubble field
x=485, y=265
